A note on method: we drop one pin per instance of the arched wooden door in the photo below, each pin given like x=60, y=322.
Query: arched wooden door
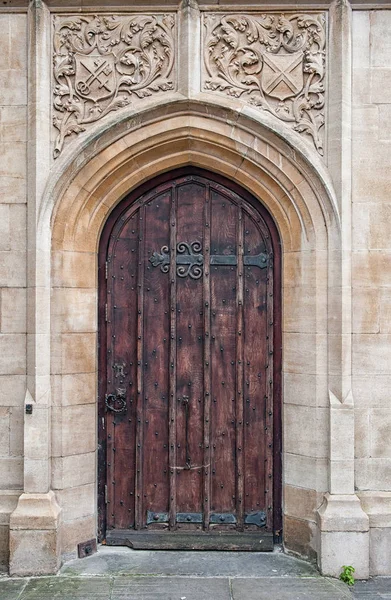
x=190, y=349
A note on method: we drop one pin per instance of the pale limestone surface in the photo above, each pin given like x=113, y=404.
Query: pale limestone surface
x=13, y=136
x=334, y=218
x=372, y=273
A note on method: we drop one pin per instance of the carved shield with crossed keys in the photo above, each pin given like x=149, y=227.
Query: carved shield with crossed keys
x=95, y=76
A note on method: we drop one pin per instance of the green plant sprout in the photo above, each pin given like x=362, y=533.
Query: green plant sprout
x=347, y=574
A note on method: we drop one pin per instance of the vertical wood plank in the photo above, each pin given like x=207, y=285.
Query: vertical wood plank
x=269, y=466
x=207, y=358
x=172, y=365
x=239, y=378
x=223, y=355
x=189, y=351
x=156, y=357
x=140, y=390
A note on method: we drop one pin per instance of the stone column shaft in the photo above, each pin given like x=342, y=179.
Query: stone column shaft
x=344, y=526
x=34, y=540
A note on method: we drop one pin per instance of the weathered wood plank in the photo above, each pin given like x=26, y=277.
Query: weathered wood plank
x=246, y=542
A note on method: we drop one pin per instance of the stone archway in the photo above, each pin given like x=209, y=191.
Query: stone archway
x=76, y=208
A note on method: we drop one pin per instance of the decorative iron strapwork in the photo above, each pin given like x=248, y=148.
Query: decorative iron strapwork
x=255, y=518
x=190, y=260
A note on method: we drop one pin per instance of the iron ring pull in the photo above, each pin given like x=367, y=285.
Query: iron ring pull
x=116, y=402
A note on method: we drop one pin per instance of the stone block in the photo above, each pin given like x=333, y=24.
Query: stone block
x=12, y=354
x=5, y=42
x=341, y=476
x=74, y=269
x=306, y=472
x=13, y=190
x=13, y=124
x=73, y=430
x=13, y=310
x=13, y=88
x=300, y=312
x=12, y=268
x=361, y=89
x=76, y=388
x=377, y=505
x=74, y=532
x=299, y=355
x=380, y=551
x=371, y=390
x=341, y=431
x=4, y=431
x=371, y=353
x=361, y=213
x=36, y=475
x=18, y=227
x=300, y=268
x=385, y=121
x=380, y=39
x=73, y=353
x=313, y=441
x=73, y=471
x=4, y=547
x=77, y=502
x=361, y=432
x=380, y=433
x=13, y=159
x=18, y=42
x=373, y=474
x=360, y=39
x=300, y=537
x=34, y=552
x=36, y=432
x=369, y=167
x=8, y=503
x=305, y=390
x=301, y=503
x=385, y=310
x=365, y=122
x=74, y=310
x=344, y=535
x=380, y=227
x=380, y=81
x=344, y=548
x=366, y=310
x=12, y=390
x=5, y=243
x=11, y=473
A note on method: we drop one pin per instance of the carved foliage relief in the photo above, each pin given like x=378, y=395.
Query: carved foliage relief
x=105, y=62
x=275, y=62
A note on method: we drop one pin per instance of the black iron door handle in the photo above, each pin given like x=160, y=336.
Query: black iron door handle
x=116, y=402
x=185, y=401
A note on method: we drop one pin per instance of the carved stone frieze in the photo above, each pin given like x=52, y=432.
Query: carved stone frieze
x=105, y=62
x=273, y=61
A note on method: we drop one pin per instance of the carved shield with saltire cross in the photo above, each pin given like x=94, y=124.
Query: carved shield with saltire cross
x=95, y=76
x=282, y=74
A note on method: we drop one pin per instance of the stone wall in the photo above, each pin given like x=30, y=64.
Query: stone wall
x=222, y=131
x=13, y=135
x=372, y=274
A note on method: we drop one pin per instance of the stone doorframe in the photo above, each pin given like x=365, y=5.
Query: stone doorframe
x=68, y=205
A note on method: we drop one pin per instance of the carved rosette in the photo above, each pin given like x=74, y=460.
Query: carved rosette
x=275, y=62
x=105, y=62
